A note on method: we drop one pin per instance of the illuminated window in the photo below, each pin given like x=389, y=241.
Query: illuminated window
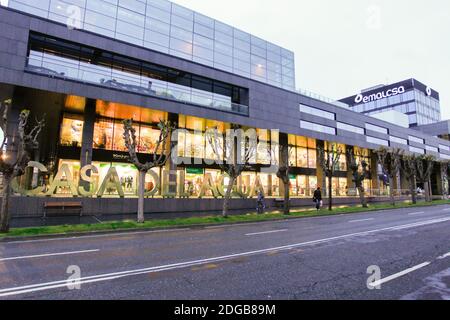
x=71, y=130
x=312, y=158
x=302, y=152
x=118, y=141
x=302, y=157
x=148, y=138
x=103, y=133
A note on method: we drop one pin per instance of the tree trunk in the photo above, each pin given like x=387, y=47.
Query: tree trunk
x=287, y=207
x=330, y=193
x=444, y=187
x=391, y=190
x=362, y=196
x=226, y=200
x=4, y=210
x=413, y=189
x=141, y=192
x=427, y=191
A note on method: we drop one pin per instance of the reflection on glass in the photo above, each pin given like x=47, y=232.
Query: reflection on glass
x=148, y=139
x=103, y=133
x=71, y=130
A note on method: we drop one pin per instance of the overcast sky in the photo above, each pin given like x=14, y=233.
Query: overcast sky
x=344, y=46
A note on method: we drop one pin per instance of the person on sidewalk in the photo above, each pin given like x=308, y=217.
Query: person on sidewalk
x=260, y=204
x=318, y=198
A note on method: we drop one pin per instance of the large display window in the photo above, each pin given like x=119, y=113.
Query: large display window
x=265, y=152
x=71, y=134
x=192, y=141
x=74, y=169
x=108, y=128
x=128, y=177
x=103, y=134
x=193, y=181
x=342, y=163
x=148, y=139
x=108, y=135
x=362, y=155
x=302, y=152
x=340, y=187
x=302, y=186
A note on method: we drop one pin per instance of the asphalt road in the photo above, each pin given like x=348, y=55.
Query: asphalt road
x=312, y=258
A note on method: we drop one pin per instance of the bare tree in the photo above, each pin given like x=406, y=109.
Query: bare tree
x=390, y=162
x=283, y=174
x=15, y=156
x=159, y=157
x=360, y=172
x=329, y=161
x=425, y=166
x=409, y=169
x=444, y=166
x=237, y=151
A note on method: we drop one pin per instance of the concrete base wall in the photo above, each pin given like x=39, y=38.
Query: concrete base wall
x=34, y=207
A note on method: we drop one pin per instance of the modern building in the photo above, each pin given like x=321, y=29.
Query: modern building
x=410, y=97
x=88, y=65
x=440, y=129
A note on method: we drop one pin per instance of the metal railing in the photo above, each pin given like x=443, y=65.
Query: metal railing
x=136, y=84
x=323, y=98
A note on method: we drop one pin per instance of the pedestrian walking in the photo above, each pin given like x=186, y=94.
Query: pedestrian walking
x=260, y=203
x=318, y=198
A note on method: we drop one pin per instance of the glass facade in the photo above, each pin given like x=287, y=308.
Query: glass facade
x=420, y=108
x=331, y=148
x=58, y=58
x=71, y=130
x=127, y=173
x=115, y=176
x=302, y=152
x=169, y=28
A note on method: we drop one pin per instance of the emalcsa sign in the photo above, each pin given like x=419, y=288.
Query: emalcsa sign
x=360, y=98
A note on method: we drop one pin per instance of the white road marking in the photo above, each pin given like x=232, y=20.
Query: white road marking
x=112, y=276
x=97, y=236
x=416, y=213
x=266, y=232
x=420, y=224
x=447, y=255
x=400, y=274
x=361, y=220
x=48, y=255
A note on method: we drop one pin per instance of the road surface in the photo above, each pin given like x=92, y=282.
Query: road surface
x=406, y=252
